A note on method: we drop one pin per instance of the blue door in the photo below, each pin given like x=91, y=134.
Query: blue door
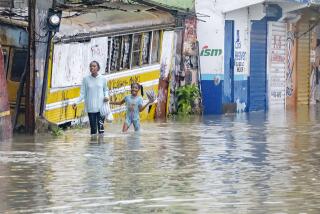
x=229, y=62
x=258, y=66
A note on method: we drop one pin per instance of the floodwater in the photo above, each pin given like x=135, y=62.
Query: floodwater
x=246, y=163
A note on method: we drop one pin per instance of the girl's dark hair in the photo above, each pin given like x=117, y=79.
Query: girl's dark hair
x=139, y=86
x=97, y=63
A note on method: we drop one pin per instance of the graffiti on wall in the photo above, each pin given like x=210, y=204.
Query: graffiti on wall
x=276, y=56
x=315, y=65
x=239, y=55
x=190, y=37
x=190, y=49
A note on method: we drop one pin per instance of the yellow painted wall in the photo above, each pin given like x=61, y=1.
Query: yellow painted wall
x=303, y=64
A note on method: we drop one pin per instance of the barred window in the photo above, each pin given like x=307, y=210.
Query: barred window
x=136, y=51
x=155, y=56
x=125, y=52
x=146, y=48
x=115, y=54
x=132, y=51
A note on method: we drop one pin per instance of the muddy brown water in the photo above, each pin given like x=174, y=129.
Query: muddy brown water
x=246, y=163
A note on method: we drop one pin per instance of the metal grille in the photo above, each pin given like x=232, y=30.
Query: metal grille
x=20, y=3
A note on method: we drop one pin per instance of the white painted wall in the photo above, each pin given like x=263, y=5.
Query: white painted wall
x=210, y=32
x=241, y=41
x=71, y=61
x=256, y=12
x=232, y=5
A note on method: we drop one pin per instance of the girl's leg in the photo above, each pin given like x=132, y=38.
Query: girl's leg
x=136, y=125
x=93, y=123
x=100, y=123
x=125, y=127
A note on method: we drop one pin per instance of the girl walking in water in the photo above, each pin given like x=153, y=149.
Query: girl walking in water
x=134, y=105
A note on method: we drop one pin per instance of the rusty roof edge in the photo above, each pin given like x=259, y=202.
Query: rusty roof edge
x=13, y=22
x=85, y=36
x=171, y=9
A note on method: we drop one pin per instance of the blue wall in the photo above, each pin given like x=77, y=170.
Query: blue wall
x=212, y=91
x=241, y=90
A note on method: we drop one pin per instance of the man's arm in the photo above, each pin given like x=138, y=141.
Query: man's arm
x=82, y=94
x=105, y=92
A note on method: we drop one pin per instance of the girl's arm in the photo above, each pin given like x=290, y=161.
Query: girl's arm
x=117, y=103
x=141, y=107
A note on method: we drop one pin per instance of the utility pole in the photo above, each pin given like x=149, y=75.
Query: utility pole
x=30, y=77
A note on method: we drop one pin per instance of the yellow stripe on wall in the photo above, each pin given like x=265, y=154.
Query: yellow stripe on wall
x=140, y=78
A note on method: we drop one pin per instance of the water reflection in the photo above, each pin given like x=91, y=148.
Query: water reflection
x=245, y=163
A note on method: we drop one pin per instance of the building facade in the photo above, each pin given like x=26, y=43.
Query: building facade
x=257, y=55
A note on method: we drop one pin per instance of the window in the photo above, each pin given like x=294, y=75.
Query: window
x=136, y=51
x=115, y=53
x=109, y=54
x=19, y=62
x=125, y=52
x=146, y=48
x=155, y=56
x=131, y=51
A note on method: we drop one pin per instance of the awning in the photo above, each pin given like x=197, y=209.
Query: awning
x=104, y=20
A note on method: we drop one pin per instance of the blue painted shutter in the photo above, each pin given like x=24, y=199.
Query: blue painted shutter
x=228, y=62
x=258, y=65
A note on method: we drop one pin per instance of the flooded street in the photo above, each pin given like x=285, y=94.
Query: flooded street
x=246, y=163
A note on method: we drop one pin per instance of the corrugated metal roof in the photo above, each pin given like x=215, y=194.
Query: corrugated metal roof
x=111, y=18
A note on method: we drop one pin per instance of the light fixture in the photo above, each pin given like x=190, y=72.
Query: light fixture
x=54, y=20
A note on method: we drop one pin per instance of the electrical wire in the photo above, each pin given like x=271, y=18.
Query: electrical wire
x=310, y=29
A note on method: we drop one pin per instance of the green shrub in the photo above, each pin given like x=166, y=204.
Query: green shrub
x=56, y=131
x=187, y=96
